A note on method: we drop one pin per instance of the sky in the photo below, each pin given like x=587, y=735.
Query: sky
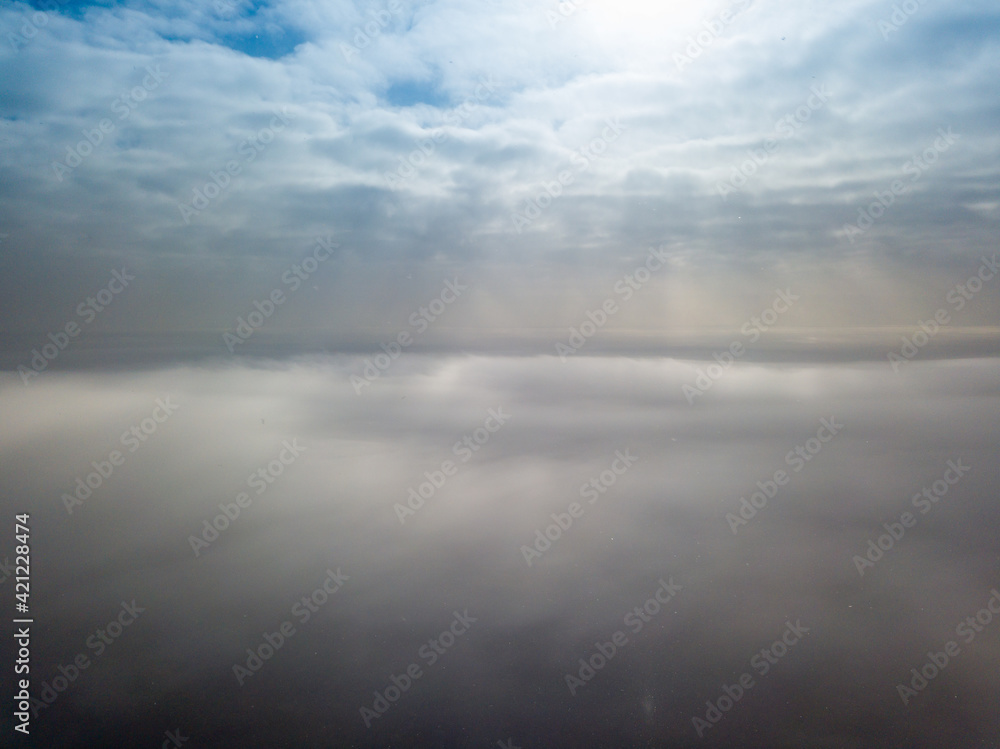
x=511, y=372
x=432, y=144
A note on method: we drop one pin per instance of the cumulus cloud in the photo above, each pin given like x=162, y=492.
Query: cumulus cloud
x=397, y=88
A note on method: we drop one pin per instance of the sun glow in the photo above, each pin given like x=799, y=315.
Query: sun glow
x=652, y=30
x=646, y=12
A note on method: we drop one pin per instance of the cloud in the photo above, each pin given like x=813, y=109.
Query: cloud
x=665, y=517
x=355, y=121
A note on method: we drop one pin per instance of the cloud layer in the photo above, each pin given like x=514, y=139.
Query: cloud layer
x=333, y=503
x=435, y=142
